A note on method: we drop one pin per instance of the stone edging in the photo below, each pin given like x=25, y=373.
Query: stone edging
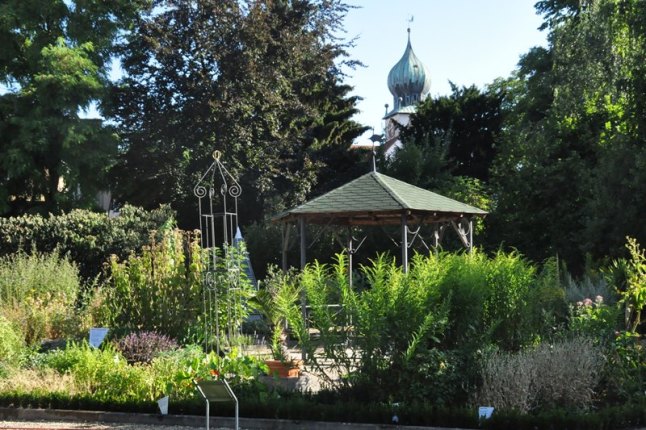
x=20, y=414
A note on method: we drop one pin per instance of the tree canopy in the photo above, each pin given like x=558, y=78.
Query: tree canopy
x=469, y=120
x=54, y=60
x=556, y=151
x=570, y=176
x=258, y=80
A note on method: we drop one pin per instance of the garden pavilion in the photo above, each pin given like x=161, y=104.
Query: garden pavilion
x=375, y=199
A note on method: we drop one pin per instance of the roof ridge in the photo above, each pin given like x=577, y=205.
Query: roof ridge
x=390, y=191
x=437, y=195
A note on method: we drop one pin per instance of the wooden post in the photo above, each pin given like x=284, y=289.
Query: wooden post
x=470, y=235
x=301, y=224
x=405, y=242
x=285, y=244
x=350, y=256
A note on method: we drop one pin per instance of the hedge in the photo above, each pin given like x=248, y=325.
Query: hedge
x=88, y=238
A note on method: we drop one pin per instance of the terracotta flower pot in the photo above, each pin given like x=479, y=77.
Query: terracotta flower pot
x=289, y=369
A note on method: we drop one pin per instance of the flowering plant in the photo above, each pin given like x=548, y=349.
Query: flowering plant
x=594, y=318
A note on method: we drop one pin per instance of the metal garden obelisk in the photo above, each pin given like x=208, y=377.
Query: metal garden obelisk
x=217, y=192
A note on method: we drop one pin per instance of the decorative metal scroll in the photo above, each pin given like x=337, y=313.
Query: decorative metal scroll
x=217, y=192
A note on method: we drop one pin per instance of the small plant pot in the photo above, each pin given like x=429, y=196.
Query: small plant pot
x=284, y=369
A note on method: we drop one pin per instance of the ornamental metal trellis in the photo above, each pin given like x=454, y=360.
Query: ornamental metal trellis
x=217, y=192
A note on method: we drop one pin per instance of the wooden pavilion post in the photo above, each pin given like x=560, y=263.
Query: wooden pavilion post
x=285, y=244
x=470, y=235
x=301, y=225
x=404, y=225
x=350, y=252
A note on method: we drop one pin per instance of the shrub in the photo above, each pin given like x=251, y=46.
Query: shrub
x=162, y=289
x=276, y=301
x=88, y=238
x=387, y=322
x=564, y=374
x=434, y=320
x=103, y=373
x=547, y=308
x=595, y=319
x=634, y=295
x=589, y=285
x=38, y=294
x=142, y=347
x=170, y=369
x=12, y=346
x=488, y=299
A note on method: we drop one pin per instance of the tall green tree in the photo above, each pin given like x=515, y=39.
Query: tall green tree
x=54, y=61
x=258, y=80
x=572, y=154
x=469, y=121
x=449, y=145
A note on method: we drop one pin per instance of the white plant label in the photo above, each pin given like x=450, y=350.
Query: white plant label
x=97, y=334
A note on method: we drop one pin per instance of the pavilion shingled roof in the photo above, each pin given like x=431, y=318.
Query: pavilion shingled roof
x=377, y=199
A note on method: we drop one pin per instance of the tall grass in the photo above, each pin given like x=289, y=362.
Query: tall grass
x=38, y=293
x=37, y=276
x=11, y=343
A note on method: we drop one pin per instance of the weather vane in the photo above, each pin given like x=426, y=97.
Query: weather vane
x=409, y=20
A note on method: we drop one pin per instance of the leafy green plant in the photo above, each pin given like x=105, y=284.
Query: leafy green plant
x=489, y=299
x=634, y=296
x=595, y=319
x=232, y=291
x=626, y=368
x=161, y=289
x=374, y=331
x=277, y=300
x=103, y=373
x=241, y=371
x=12, y=347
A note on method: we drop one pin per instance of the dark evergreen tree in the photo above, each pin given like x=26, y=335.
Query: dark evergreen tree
x=449, y=145
x=469, y=121
x=259, y=81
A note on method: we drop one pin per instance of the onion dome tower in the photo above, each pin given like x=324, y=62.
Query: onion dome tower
x=409, y=80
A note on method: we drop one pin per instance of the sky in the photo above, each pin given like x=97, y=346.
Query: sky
x=463, y=41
